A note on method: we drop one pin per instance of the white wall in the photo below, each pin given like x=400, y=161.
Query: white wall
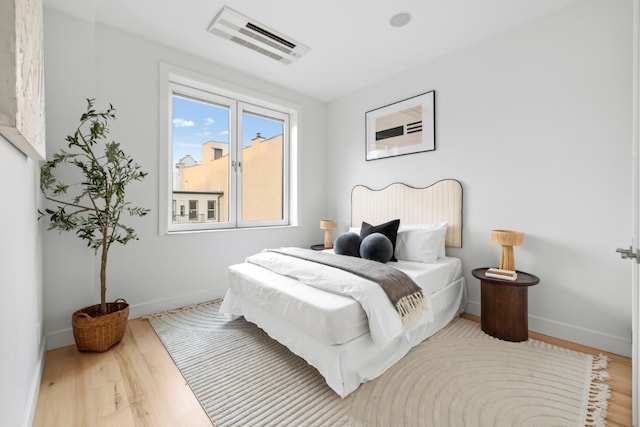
x=85, y=60
x=22, y=358
x=536, y=124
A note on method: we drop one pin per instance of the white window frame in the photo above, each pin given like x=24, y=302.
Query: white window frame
x=193, y=84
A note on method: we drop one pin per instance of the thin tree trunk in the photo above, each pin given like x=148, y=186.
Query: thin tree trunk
x=103, y=276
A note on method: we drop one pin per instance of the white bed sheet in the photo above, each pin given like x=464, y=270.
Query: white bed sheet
x=330, y=318
x=344, y=366
x=433, y=276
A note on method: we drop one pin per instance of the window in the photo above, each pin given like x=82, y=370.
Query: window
x=211, y=210
x=193, y=209
x=227, y=154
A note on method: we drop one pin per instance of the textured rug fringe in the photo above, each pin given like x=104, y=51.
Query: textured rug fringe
x=181, y=309
x=599, y=394
x=600, y=362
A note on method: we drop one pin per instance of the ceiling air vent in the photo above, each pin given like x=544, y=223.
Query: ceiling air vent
x=238, y=28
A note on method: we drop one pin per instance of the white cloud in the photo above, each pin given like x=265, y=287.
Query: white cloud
x=224, y=132
x=209, y=121
x=206, y=133
x=182, y=123
x=187, y=145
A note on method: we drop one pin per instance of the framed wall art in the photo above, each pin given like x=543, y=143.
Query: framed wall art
x=404, y=127
x=22, y=120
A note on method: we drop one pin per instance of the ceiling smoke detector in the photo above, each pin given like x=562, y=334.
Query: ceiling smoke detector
x=400, y=19
x=238, y=28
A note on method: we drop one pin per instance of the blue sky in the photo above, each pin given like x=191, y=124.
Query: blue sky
x=195, y=123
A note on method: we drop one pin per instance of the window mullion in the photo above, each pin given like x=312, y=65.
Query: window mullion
x=237, y=149
x=233, y=165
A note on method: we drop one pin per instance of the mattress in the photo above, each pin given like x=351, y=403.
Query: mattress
x=329, y=318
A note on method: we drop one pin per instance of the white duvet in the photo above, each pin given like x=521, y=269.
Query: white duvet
x=384, y=321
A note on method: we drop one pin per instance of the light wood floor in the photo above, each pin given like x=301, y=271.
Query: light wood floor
x=136, y=383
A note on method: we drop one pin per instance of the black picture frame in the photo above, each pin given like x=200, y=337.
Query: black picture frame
x=404, y=127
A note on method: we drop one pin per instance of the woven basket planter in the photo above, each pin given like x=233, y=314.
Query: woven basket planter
x=95, y=332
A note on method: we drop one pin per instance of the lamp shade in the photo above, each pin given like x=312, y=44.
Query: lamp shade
x=508, y=239
x=327, y=225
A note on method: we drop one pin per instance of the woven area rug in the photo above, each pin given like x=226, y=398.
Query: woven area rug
x=458, y=377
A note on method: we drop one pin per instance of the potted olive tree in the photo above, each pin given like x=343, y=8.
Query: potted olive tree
x=91, y=207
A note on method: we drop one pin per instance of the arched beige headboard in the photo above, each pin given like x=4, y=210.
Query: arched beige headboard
x=439, y=202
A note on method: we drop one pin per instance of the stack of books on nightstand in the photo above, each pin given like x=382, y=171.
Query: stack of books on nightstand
x=498, y=273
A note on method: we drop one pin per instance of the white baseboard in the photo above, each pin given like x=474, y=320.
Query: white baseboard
x=64, y=337
x=573, y=333
x=34, y=389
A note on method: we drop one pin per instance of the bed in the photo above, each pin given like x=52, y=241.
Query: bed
x=346, y=340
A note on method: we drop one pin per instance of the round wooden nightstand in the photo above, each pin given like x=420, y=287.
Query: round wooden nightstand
x=504, y=305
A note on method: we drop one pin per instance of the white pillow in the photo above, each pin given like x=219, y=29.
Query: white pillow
x=421, y=242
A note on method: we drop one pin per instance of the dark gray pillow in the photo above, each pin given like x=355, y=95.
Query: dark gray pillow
x=376, y=247
x=389, y=229
x=347, y=244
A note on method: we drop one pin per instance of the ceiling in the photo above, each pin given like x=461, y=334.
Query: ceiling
x=352, y=43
